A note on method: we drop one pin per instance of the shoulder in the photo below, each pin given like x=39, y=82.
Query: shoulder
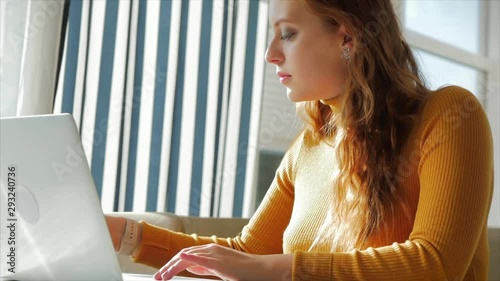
x=454, y=96
x=454, y=114
x=299, y=146
x=452, y=106
x=296, y=146
x=287, y=168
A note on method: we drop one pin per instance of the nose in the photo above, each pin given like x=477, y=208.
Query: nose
x=273, y=54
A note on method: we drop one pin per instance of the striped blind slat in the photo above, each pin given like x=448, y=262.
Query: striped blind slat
x=160, y=96
x=135, y=106
x=167, y=96
x=148, y=84
x=116, y=75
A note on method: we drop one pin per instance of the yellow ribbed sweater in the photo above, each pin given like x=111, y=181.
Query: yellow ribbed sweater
x=446, y=179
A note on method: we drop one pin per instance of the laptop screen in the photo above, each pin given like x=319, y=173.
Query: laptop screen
x=55, y=225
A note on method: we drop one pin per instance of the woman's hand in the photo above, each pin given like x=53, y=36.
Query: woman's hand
x=227, y=264
x=116, y=226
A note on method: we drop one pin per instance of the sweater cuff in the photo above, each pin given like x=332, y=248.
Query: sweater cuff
x=153, y=247
x=312, y=266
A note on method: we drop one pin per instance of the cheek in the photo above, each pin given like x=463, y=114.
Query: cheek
x=295, y=55
x=331, y=75
x=304, y=61
x=316, y=63
x=330, y=67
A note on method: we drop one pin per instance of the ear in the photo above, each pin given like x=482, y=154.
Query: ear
x=346, y=39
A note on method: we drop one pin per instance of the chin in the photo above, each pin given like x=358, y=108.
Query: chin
x=304, y=96
x=293, y=97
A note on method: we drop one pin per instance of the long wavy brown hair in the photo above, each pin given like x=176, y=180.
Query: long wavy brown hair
x=384, y=89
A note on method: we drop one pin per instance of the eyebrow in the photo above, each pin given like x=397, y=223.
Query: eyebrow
x=278, y=22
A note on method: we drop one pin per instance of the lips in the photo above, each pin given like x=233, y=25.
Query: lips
x=284, y=76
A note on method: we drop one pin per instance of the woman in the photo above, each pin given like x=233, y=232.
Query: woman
x=388, y=181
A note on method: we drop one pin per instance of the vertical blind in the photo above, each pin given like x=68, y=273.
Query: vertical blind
x=167, y=95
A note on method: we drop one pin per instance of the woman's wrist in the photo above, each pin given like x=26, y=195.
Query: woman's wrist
x=277, y=267
x=139, y=239
x=131, y=237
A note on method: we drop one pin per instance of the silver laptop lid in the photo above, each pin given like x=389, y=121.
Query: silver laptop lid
x=52, y=223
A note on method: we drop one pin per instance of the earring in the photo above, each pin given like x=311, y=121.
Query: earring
x=346, y=53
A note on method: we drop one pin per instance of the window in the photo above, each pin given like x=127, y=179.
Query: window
x=449, y=41
x=455, y=22
x=439, y=71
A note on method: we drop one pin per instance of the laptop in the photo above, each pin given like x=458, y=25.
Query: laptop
x=52, y=224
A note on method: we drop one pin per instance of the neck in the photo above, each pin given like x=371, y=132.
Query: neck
x=334, y=103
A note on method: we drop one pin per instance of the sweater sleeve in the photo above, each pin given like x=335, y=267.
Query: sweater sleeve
x=456, y=181
x=262, y=235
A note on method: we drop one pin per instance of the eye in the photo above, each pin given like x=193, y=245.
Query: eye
x=287, y=36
